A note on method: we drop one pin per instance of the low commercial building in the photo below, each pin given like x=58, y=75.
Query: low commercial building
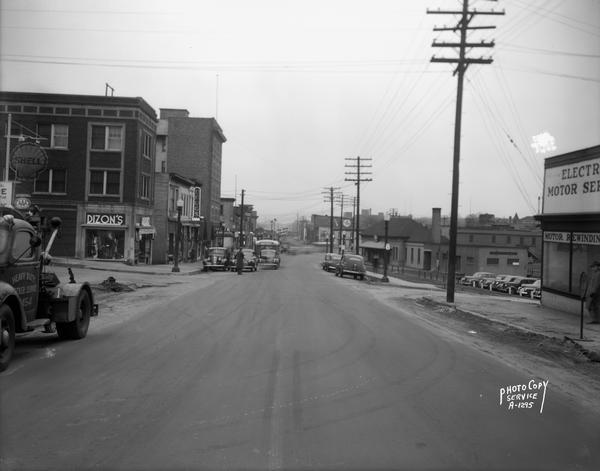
x=570, y=222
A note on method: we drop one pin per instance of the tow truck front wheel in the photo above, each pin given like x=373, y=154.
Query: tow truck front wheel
x=78, y=328
x=7, y=336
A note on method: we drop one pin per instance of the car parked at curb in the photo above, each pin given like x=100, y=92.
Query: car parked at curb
x=217, y=258
x=330, y=261
x=475, y=278
x=528, y=289
x=488, y=281
x=351, y=265
x=499, y=280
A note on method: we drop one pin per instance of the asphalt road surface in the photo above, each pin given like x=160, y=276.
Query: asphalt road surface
x=282, y=369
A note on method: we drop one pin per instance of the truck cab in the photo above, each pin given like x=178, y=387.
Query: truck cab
x=32, y=297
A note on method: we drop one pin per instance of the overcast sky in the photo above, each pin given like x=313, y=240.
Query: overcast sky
x=300, y=86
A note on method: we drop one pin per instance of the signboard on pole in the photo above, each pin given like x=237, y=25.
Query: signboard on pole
x=6, y=193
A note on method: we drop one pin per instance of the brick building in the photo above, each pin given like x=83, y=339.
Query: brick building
x=193, y=147
x=99, y=174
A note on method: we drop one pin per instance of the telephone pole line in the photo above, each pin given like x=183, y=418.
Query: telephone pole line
x=242, y=221
x=340, y=199
x=462, y=62
x=357, y=176
x=328, y=193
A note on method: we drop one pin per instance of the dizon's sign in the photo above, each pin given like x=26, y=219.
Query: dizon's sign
x=103, y=219
x=573, y=188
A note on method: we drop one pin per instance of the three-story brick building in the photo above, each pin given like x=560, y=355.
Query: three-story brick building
x=99, y=175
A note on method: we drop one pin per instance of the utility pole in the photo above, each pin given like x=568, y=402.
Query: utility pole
x=340, y=199
x=462, y=62
x=242, y=221
x=357, y=176
x=329, y=199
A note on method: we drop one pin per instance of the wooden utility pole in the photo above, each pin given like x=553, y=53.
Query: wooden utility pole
x=357, y=176
x=340, y=200
x=462, y=62
x=242, y=222
x=329, y=199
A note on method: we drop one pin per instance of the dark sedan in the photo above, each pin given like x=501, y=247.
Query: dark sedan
x=351, y=265
x=330, y=261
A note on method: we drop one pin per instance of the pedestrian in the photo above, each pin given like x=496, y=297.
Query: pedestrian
x=239, y=261
x=592, y=293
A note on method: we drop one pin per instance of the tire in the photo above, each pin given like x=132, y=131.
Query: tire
x=78, y=328
x=7, y=333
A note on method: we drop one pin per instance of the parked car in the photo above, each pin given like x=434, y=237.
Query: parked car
x=487, y=281
x=250, y=261
x=499, y=280
x=351, y=265
x=528, y=289
x=474, y=279
x=217, y=258
x=509, y=282
x=330, y=261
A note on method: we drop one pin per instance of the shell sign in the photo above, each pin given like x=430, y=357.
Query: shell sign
x=28, y=160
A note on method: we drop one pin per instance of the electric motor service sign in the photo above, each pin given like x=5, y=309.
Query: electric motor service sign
x=573, y=188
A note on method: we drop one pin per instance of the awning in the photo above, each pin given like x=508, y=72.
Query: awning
x=372, y=245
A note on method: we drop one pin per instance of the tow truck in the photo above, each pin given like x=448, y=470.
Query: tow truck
x=31, y=297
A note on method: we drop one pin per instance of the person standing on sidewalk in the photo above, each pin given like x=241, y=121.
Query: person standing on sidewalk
x=592, y=293
x=239, y=262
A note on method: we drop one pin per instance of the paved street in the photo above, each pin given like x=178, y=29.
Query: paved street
x=286, y=369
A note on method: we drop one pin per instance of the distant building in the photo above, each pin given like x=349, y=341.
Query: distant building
x=192, y=147
x=412, y=244
x=320, y=228
x=500, y=250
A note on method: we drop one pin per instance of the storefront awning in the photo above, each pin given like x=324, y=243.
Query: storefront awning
x=372, y=245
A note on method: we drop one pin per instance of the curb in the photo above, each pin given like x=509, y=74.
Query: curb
x=126, y=270
x=590, y=354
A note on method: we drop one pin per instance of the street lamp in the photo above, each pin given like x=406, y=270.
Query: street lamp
x=386, y=248
x=177, y=236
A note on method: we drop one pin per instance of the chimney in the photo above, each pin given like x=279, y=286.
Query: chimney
x=436, y=219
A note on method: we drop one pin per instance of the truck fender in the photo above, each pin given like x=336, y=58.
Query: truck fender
x=9, y=296
x=65, y=310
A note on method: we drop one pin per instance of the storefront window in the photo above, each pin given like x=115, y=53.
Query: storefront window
x=556, y=266
x=105, y=244
x=564, y=262
x=583, y=256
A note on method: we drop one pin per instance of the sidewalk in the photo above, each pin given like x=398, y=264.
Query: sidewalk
x=518, y=312
x=185, y=268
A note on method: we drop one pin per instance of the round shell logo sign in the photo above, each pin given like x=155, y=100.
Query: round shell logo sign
x=28, y=160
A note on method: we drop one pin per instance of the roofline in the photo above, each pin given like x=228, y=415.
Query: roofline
x=91, y=100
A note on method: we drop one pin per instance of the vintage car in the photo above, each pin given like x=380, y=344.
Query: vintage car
x=217, y=258
x=499, y=280
x=351, y=265
x=330, y=261
x=475, y=278
x=487, y=281
x=530, y=289
x=250, y=261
